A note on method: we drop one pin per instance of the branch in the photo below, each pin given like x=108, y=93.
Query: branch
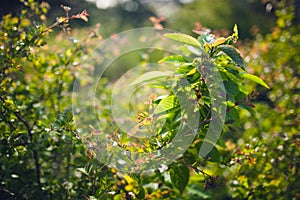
x=83, y=15
x=30, y=135
x=197, y=170
x=92, y=33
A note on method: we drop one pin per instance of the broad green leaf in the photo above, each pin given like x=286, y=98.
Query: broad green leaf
x=233, y=115
x=165, y=104
x=185, y=50
x=233, y=53
x=186, y=39
x=232, y=89
x=215, y=155
x=255, y=79
x=174, y=58
x=180, y=175
x=150, y=76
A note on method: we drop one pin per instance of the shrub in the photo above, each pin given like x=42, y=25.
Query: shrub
x=272, y=134
x=42, y=153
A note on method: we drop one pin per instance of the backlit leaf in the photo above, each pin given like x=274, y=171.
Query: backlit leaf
x=165, y=104
x=186, y=39
x=255, y=79
x=233, y=53
x=150, y=76
x=173, y=58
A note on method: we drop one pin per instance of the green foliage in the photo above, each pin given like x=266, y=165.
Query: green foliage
x=271, y=135
x=233, y=54
x=190, y=77
x=43, y=156
x=40, y=148
x=180, y=177
x=186, y=39
x=255, y=79
x=220, y=15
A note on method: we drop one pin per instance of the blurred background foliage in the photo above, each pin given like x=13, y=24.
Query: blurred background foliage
x=118, y=15
x=273, y=132
x=261, y=160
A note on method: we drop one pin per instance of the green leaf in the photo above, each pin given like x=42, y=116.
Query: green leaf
x=150, y=76
x=174, y=58
x=255, y=79
x=233, y=53
x=82, y=170
x=232, y=89
x=183, y=38
x=185, y=50
x=165, y=105
x=183, y=69
x=180, y=175
x=215, y=155
x=235, y=30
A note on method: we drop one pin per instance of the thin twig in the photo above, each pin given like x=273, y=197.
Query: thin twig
x=199, y=170
x=30, y=135
x=74, y=54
